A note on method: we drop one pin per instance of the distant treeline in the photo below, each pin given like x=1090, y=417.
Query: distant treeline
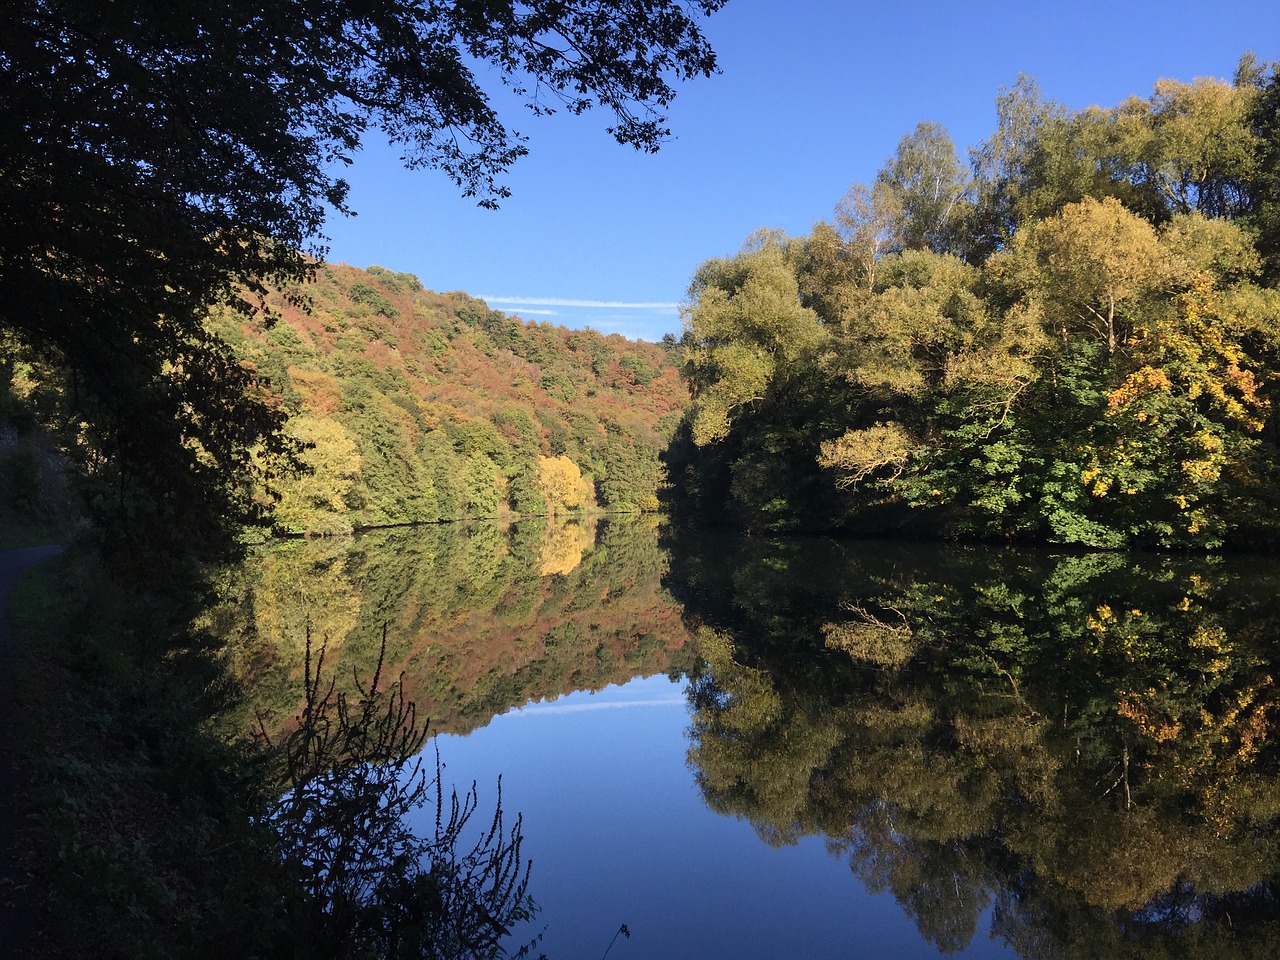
x=1073, y=337
x=414, y=406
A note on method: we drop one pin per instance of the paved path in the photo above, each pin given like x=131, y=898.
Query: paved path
x=15, y=907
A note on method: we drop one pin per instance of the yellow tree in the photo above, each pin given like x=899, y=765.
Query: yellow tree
x=1097, y=263
x=1185, y=455
x=317, y=500
x=562, y=484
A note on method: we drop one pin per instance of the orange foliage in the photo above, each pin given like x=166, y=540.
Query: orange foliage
x=320, y=391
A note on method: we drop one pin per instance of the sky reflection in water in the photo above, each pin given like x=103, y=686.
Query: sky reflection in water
x=618, y=833
x=1083, y=739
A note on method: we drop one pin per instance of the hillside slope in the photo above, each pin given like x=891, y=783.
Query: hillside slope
x=419, y=406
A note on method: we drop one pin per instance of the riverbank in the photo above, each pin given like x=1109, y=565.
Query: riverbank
x=18, y=899
x=135, y=817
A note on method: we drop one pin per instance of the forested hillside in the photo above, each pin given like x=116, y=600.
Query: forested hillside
x=419, y=406
x=1073, y=337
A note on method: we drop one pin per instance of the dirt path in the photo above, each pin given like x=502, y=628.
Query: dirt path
x=16, y=910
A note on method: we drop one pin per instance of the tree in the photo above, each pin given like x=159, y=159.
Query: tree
x=1077, y=344
x=747, y=329
x=1184, y=464
x=562, y=484
x=868, y=220
x=317, y=501
x=158, y=159
x=1005, y=165
x=1204, y=151
x=1097, y=261
x=1264, y=122
x=926, y=184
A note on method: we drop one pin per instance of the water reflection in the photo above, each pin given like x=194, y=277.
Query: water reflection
x=1078, y=744
x=479, y=619
x=1069, y=753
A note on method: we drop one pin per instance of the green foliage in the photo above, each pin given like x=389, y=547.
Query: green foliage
x=1068, y=344
x=1264, y=122
x=395, y=417
x=747, y=328
x=363, y=295
x=163, y=164
x=641, y=373
x=396, y=282
x=559, y=387
x=926, y=187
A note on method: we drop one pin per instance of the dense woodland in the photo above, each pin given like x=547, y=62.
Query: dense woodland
x=166, y=170
x=160, y=164
x=413, y=406
x=1073, y=337
x=403, y=406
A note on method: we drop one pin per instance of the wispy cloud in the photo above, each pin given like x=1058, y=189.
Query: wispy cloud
x=546, y=709
x=525, y=311
x=660, y=305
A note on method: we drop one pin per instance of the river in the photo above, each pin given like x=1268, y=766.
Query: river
x=756, y=748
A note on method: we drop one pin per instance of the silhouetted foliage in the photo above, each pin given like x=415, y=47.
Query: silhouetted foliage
x=352, y=771
x=160, y=159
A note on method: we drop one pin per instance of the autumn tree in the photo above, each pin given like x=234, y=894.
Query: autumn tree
x=159, y=159
x=746, y=331
x=1203, y=152
x=1097, y=262
x=319, y=498
x=924, y=183
x=1076, y=343
x=562, y=484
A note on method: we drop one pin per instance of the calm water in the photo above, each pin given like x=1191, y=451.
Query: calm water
x=619, y=833
x=771, y=749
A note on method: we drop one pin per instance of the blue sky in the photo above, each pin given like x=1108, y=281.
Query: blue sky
x=814, y=96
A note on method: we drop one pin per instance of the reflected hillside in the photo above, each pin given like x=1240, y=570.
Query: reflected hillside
x=1081, y=744
x=478, y=618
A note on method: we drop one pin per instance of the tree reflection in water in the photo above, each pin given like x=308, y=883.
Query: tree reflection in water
x=479, y=618
x=1080, y=743
x=1073, y=748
